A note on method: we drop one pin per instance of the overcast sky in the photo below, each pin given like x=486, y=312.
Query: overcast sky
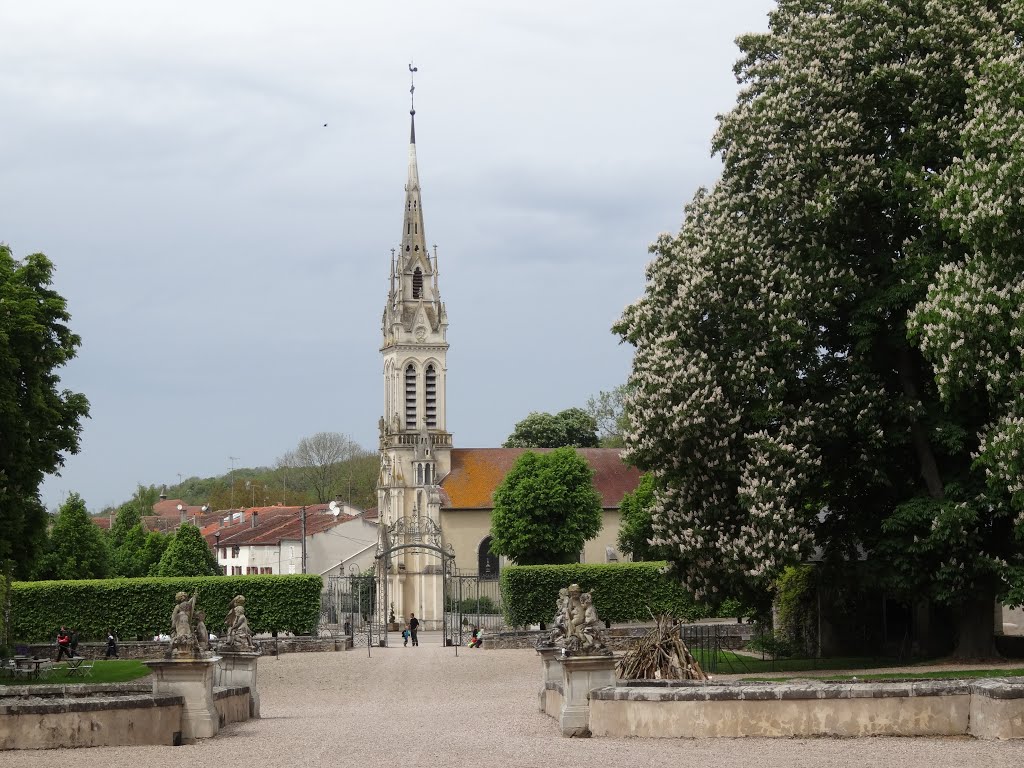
x=225, y=256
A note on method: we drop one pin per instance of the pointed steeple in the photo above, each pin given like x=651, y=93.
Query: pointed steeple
x=414, y=304
x=414, y=243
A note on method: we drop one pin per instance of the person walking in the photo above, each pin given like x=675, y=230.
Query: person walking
x=63, y=644
x=111, y=644
x=74, y=642
x=414, y=625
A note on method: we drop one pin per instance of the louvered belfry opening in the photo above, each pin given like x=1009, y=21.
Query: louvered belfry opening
x=431, y=397
x=410, y=397
x=417, y=284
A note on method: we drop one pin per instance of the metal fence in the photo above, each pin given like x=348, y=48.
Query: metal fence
x=721, y=649
x=349, y=608
x=473, y=601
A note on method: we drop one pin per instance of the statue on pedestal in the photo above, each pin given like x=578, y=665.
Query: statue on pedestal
x=577, y=630
x=183, y=637
x=238, y=636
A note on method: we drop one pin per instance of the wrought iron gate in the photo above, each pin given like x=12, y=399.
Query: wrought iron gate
x=350, y=608
x=472, y=601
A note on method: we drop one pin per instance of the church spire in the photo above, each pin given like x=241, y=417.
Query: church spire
x=414, y=243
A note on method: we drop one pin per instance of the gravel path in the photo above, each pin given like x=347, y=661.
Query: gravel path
x=420, y=707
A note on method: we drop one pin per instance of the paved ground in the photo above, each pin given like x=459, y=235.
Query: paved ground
x=419, y=707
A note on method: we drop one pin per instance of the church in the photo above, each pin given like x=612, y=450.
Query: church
x=434, y=500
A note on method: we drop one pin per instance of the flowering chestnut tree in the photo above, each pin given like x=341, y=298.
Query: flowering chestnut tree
x=828, y=352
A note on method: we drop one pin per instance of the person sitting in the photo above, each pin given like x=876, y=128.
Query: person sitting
x=478, y=638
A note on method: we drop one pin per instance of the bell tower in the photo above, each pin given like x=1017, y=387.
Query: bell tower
x=415, y=445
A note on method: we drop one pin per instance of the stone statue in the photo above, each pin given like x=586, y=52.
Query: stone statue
x=183, y=639
x=578, y=629
x=558, y=622
x=238, y=637
x=202, y=634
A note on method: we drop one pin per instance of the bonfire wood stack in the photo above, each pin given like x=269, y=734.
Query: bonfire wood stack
x=661, y=654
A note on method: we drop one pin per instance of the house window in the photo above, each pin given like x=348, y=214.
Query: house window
x=410, y=397
x=431, y=396
x=236, y=570
x=417, y=284
x=223, y=570
x=234, y=552
x=486, y=562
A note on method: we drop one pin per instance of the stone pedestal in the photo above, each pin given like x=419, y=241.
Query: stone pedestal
x=239, y=668
x=192, y=679
x=580, y=675
x=551, y=673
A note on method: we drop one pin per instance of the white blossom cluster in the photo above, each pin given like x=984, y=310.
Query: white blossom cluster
x=970, y=325
x=775, y=393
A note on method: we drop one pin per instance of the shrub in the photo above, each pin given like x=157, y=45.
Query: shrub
x=622, y=592
x=142, y=607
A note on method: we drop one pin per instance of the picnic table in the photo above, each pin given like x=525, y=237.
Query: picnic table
x=31, y=668
x=76, y=667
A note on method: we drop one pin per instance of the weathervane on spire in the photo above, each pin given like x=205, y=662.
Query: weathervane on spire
x=412, y=88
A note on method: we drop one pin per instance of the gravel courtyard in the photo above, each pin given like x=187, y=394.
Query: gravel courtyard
x=413, y=707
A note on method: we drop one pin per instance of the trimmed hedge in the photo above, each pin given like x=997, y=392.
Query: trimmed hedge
x=622, y=592
x=142, y=607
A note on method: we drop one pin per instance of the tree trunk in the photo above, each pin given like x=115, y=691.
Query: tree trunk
x=976, y=628
x=925, y=455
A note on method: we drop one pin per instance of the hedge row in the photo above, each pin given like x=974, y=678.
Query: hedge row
x=622, y=592
x=141, y=608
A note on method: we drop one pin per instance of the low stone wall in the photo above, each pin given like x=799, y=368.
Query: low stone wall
x=232, y=704
x=154, y=649
x=98, y=715
x=989, y=709
x=620, y=638
x=39, y=722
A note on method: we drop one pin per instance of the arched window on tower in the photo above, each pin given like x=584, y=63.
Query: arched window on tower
x=410, y=397
x=417, y=284
x=486, y=562
x=430, y=381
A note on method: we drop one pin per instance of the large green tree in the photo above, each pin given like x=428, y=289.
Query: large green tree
x=832, y=336
x=636, y=522
x=545, y=509
x=75, y=548
x=572, y=427
x=187, y=554
x=39, y=422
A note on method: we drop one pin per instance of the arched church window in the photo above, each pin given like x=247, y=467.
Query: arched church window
x=487, y=564
x=417, y=283
x=430, y=380
x=419, y=474
x=410, y=397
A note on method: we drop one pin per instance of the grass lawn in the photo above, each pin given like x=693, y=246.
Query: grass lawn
x=103, y=671
x=937, y=674
x=729, y=663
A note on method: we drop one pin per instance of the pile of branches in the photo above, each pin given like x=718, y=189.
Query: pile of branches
x=661, y=654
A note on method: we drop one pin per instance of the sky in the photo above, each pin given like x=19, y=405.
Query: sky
x=224, y=253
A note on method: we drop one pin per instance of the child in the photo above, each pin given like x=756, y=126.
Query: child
x=477, y=639
x=405, y=636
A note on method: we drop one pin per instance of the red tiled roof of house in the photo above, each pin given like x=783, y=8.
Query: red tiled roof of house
x=477, y=472
x=101, y=521
x=285, y=524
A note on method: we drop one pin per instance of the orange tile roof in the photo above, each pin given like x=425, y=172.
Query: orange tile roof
x=477, y=472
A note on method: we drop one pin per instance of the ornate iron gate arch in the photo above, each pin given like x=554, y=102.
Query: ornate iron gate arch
x=417, y=529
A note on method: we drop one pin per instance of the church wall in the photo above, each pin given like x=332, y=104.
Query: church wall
x=465, y=529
